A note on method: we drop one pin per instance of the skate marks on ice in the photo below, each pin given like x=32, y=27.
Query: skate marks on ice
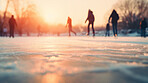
x=66, y=59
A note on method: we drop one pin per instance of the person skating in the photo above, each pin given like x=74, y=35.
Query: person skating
x=5, y=31
x=91, y=20
x=115, y=17
x=69, y=25
x=143, y=26
x=107, y=30
x=12, y=25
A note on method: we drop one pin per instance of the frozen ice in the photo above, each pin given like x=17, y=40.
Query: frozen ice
x=74, y=60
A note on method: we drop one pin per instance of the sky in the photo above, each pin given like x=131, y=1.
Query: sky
x=57, y=11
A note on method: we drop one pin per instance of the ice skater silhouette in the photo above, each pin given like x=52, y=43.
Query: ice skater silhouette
x=5, y=31
x=91, y=20
x=143, y=26
x=107, y=30
x=69, y=25
x=12, y=25
x=115, y=18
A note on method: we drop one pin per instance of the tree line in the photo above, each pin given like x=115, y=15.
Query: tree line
x=130, y=13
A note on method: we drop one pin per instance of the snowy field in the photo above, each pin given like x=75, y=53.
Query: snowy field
x=74, y=60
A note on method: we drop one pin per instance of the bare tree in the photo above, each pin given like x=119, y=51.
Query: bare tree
x=28, y=16
x=4, y=17
x=23, y=11
x=131, y=12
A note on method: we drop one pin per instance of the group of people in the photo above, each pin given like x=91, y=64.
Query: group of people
x=114, y=20
x=12, y=25
x=91, y=19
x=114, y=17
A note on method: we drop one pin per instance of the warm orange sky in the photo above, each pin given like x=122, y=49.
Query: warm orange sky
x=57, y=11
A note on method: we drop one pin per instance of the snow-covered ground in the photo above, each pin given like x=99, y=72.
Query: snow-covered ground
x=97, y=33
x=74, y=60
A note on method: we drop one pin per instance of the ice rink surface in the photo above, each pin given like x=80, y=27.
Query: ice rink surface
x=74, y=60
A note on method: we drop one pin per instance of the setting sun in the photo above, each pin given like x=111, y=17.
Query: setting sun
x=57, y=11
x=49, y=18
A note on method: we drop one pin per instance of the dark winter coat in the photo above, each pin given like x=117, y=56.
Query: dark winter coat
x=107, y=27
x=114, y=16
x=143, y=24
x=90, y=17
x=12, y=22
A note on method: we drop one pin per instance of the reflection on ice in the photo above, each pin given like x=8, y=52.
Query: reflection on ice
x=69, y=59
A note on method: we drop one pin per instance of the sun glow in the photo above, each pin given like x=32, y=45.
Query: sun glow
x=49, y=18
x=57, y=11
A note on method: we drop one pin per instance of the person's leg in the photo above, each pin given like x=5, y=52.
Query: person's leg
x=10, y=34
x=73, y=32
x=69, y=32
x=116, y=31
x=93, y=29
x=141, y=32
x=144, y=33
x=6, y=34
x=13, y=32
x=108, y=33
x=38, y=33
x=113, y=25
x=88, y=28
